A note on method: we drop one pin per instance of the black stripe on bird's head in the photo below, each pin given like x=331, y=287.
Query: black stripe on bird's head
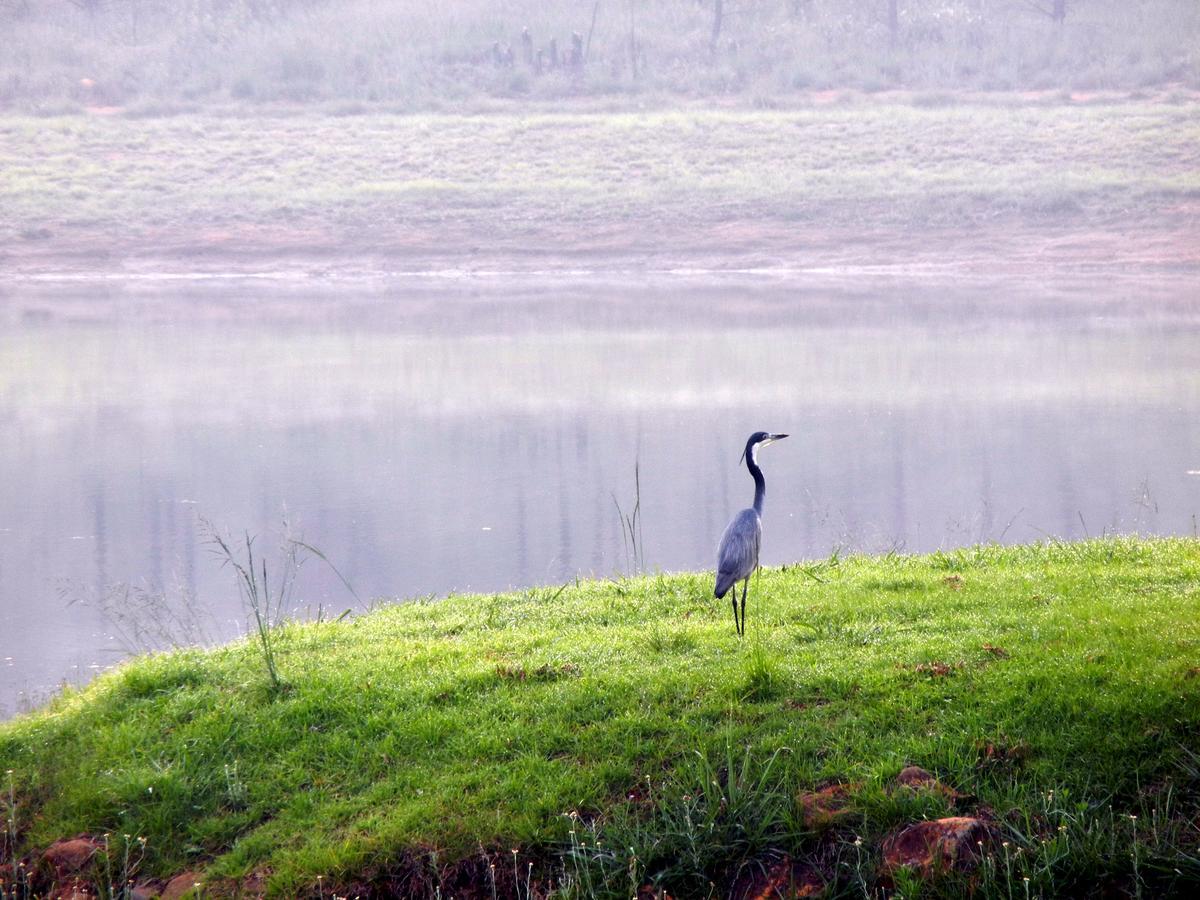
x=759, y=439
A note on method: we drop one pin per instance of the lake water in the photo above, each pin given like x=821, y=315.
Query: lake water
x=474, y=434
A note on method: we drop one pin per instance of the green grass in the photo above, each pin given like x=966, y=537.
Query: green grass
x=627, y=715
x=701, y=177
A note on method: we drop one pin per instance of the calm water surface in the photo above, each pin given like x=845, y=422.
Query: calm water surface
x=474, y=436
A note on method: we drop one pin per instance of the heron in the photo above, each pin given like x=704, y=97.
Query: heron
x=737, y=554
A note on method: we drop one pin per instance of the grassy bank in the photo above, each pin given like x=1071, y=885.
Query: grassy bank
x=875, y=180
x=604, y=735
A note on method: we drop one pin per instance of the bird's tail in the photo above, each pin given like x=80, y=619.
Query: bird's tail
x=724, y=583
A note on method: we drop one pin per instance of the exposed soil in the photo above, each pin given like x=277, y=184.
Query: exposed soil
x=1162, y=245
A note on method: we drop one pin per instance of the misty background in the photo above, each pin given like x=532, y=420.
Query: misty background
x=432, y=281
x=156, y=57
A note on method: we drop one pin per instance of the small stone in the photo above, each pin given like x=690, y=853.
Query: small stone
x=181, y=886
x=825, y=807
x=71, y=856
x=915, y=777
x=785, y=879
x=918, y=779
x=938, y=846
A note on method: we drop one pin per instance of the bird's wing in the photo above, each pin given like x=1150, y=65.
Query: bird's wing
x=737, y=554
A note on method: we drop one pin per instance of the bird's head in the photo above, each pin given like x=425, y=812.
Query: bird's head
x=759, y=439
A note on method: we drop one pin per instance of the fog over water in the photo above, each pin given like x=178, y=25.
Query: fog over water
x=479, y=435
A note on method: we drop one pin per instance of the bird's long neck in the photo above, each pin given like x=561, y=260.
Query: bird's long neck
x=760, y=483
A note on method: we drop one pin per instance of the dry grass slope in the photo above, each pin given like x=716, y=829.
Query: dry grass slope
x=706, y=182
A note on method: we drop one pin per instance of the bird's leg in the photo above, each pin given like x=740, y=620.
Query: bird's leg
x=745, y=587
x=742, y=627
x=736, y=626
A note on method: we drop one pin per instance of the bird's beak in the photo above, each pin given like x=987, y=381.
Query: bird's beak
x=773, y=438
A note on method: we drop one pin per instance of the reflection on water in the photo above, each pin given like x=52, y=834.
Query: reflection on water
x=473, y=438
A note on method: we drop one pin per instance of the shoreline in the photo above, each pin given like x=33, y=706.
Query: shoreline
x=1145, y=248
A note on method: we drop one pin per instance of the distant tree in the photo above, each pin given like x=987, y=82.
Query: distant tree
x=633, y=44
x=801, y=9
x=717, y=22
x=749, y=9
x=527, y=46
x=1057, y=10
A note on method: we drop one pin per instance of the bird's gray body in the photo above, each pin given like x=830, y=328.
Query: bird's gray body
x=737, y=554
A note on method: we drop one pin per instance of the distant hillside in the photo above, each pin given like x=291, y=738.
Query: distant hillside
x=160, y=55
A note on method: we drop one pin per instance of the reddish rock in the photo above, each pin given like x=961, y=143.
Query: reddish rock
x=71, y=856
x=915, y=777
x=181, y=886
x=785, y=879
x=825, y=807
x=147, y=890
x=938, y=846
x=919, y=779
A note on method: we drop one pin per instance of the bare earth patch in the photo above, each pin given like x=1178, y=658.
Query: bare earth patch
x=1167, y=246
